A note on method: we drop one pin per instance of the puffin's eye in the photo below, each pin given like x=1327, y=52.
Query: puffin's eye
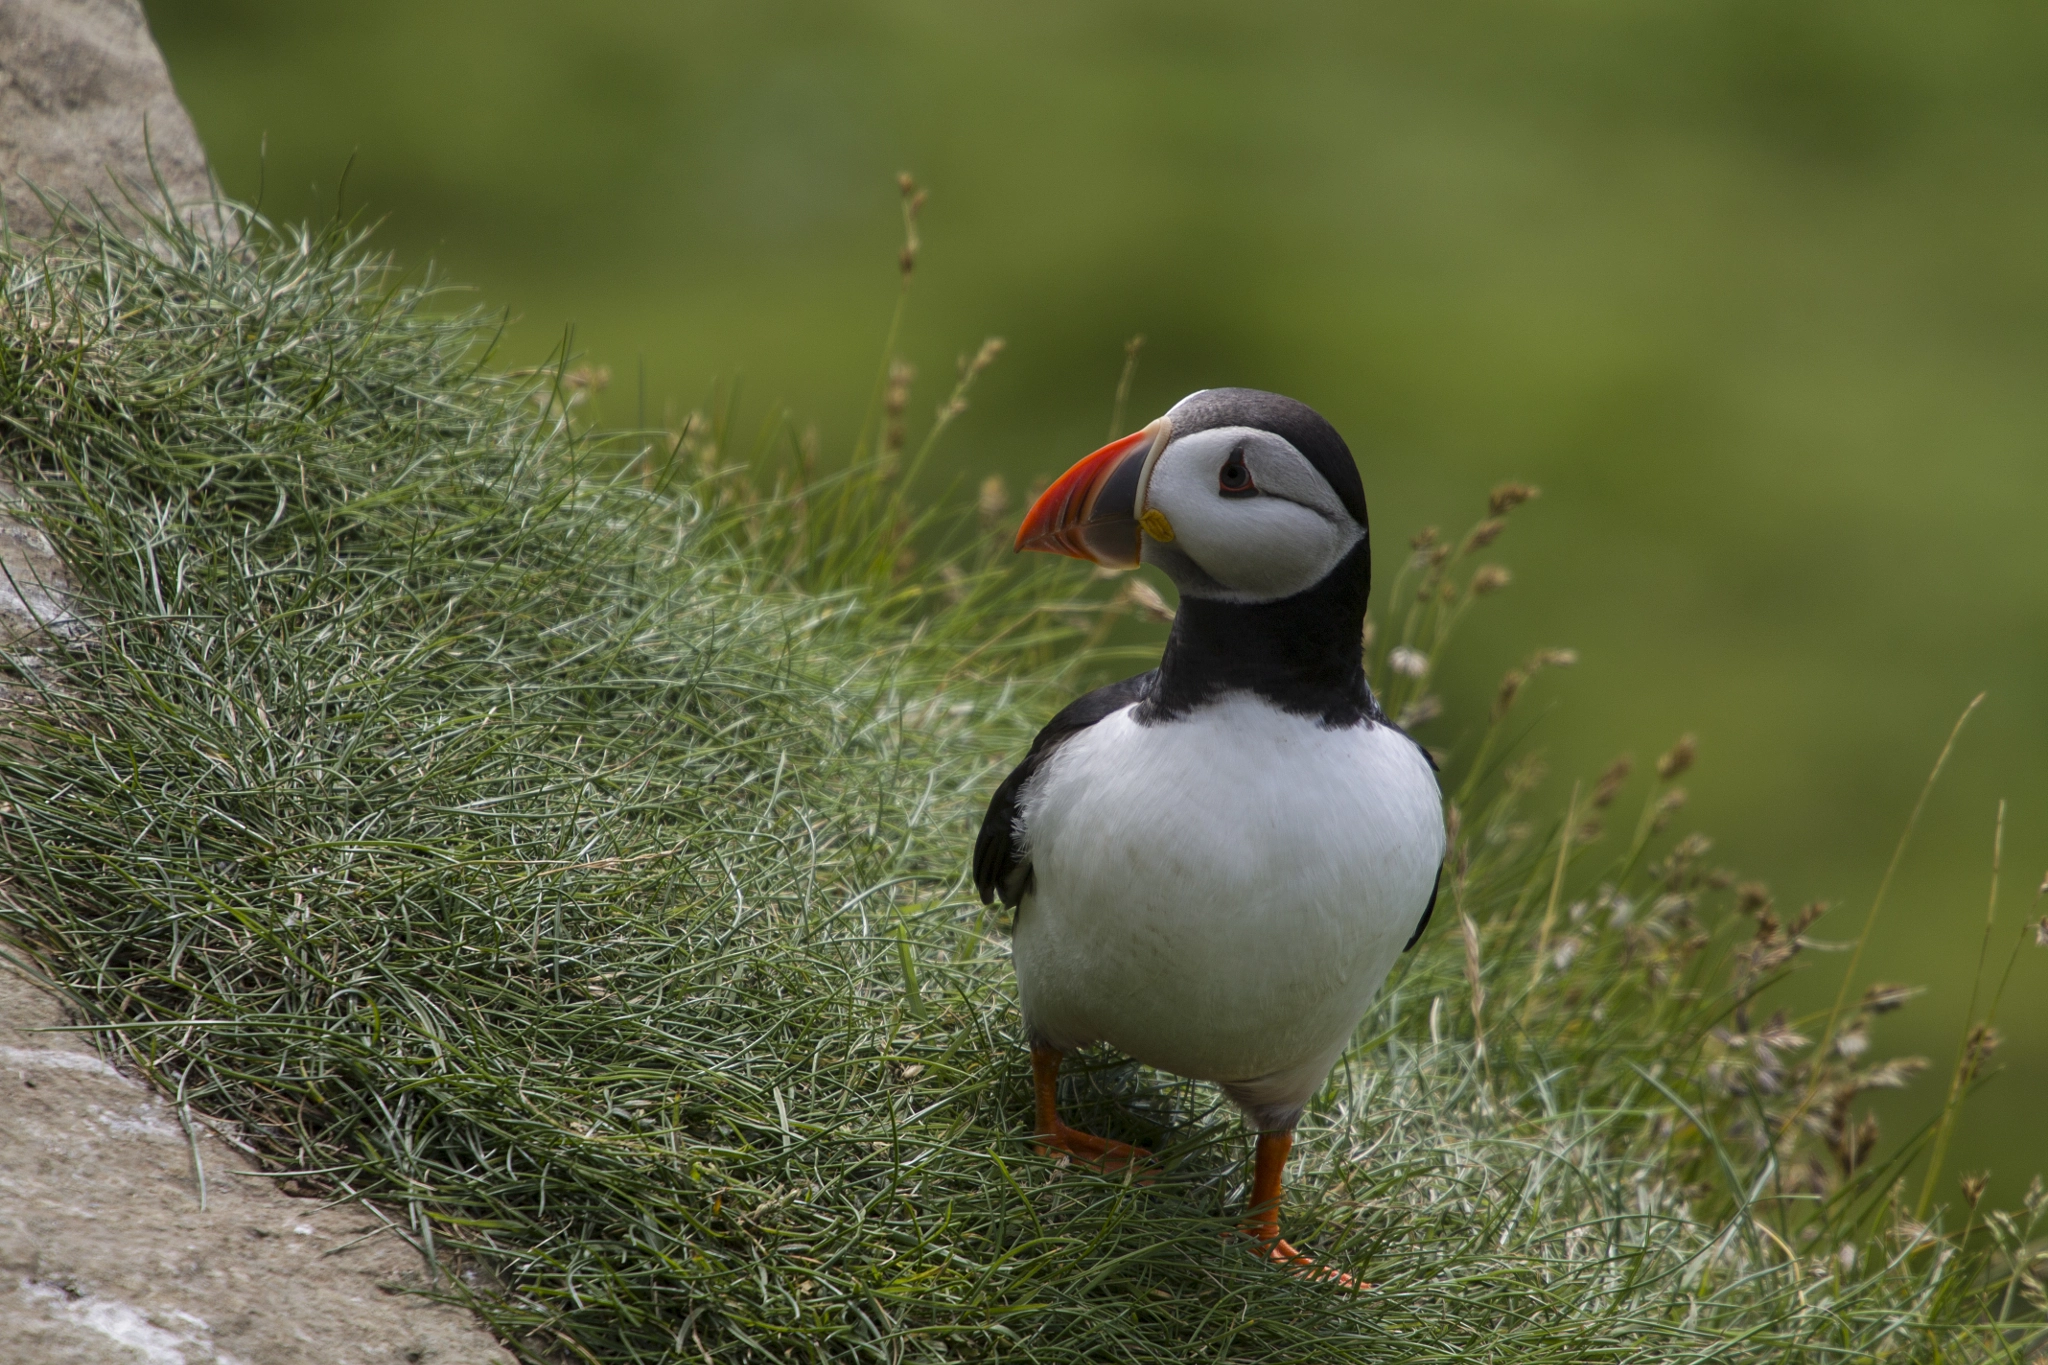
x=1234, y=480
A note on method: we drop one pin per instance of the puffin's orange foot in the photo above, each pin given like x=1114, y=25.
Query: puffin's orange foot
x=1104, y=1154
x=1281, y=1252
x=1262, y=1223
x=1055, y=1138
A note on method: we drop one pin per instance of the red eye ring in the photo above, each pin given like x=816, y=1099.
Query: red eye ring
x=1234, y=480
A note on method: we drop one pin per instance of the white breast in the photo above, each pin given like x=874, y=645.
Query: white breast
x=1220, y=896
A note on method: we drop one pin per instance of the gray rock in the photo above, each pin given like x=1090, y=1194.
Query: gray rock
x=80, y=80
x=111, y=1254
x=35, y=587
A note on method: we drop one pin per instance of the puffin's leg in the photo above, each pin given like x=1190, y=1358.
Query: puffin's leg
x=1055, y=1136
x=1262, y=1215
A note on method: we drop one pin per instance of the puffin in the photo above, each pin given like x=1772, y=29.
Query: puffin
x=1213, y=865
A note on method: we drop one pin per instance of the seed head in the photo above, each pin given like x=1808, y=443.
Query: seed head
x=1983, y=1041
x=1896, y=1074
x=2041, y=932
x=1885, y=996
x=1509, y=496
x=993, y=501
x=1474, y=979
x=894, y=401
x=1612, y=781
x=1490, y=578
x=913, y=200
x=1853, y=1042
x=970, y=366
x=1510, y=687
x=901, y=372
x=1678, y=759
x=1852, y=1143
x=1484, y=534
x=1146, y=598
x=1752, y=897
x=1525, y=774
x=1668, y=805
x=1973, y=1187
x=1779, y=1035
x=1424, y=538
x=1420, y=712
x=1409, y=663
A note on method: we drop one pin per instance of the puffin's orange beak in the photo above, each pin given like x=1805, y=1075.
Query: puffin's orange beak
x=1091, y=511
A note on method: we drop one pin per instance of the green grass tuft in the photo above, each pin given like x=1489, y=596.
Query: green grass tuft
x=564, y=846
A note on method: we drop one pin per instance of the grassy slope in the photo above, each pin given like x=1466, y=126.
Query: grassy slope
x=573, y=863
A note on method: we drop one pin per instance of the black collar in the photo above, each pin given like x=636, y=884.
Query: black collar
x=1303, y=653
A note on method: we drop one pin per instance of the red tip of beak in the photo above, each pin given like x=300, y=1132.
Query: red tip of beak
x=1090, y=512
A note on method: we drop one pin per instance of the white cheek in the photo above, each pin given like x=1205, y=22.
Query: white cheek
x=1261, y=547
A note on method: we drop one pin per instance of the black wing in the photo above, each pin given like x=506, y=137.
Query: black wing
x=1427, y=910
x=1000, y=867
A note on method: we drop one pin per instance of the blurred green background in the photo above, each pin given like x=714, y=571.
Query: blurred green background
x=1756, y=291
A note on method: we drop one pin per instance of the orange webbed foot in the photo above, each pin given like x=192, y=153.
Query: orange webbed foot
x=1283, y=1253
x=1057, y=1138
x=1104, y=1154
x=1263, y=1223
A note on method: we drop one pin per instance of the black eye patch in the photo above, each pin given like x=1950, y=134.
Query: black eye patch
x=1234, y=480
